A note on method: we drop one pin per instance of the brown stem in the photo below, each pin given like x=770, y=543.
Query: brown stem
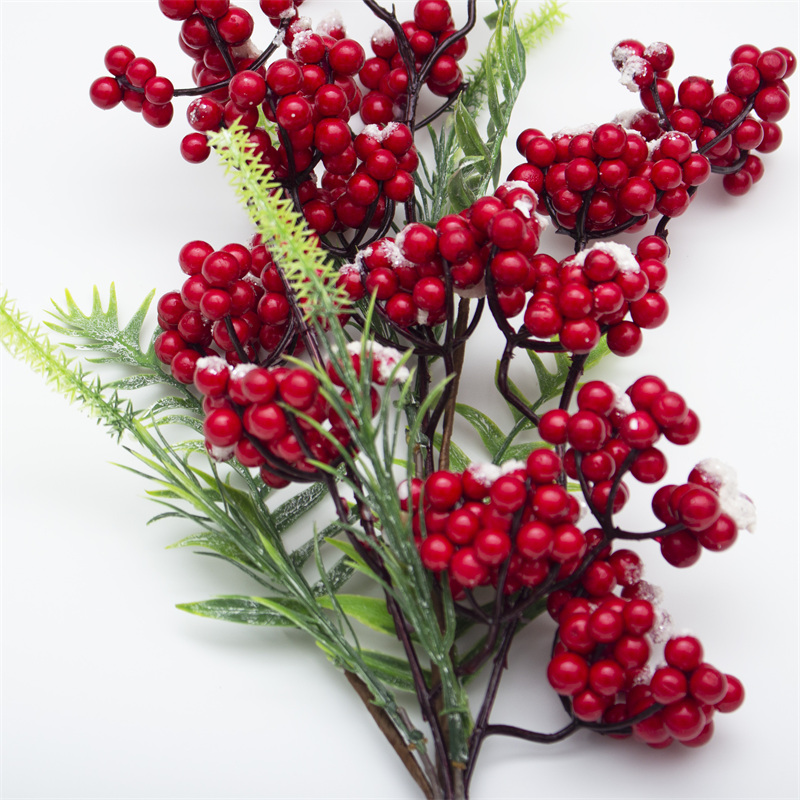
x=392, y=735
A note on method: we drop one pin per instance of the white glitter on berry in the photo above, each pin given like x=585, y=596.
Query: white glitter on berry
x=484, y=474
x=525, y=206
x=220, y=453
x=656, y=49
x=300, y=40
x=621, y=53
x=402, y=491
x=622, y=402
x=576, y=130
x=422, y=316
x=383, y=35
x=622, y=254
x=385, y=359
x=240, y=370
x=626, y=118
x=331, y=22
x=725, y=483
x=512, y=465
x=633, y=68
x=214, y=365
x=509, y=185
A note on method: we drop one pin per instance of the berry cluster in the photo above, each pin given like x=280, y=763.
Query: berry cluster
x=135, y=83
x=386, y=75
x=414, y=275
x=490, y=525
x=613, y=433
x=361, y=179
x=310, y=94
x=591, y=293
x=232, y=299
x=597, y=181
x=270, y=418
x=708, y=512
x=600, y=666
x=721, y=124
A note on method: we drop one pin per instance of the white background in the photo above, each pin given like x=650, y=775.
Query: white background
x=109, y=692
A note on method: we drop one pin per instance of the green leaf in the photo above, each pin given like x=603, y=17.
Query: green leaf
x=550, y=383
x=519, y=452
x=369, y=611
x=392, y=670
x=467, y=133
x=335, y=577
x=245, y=610
x=459, y=460
x=218, y=543
x=490, y=433
x=350, y=551
x=293, y=509
x=597, y=355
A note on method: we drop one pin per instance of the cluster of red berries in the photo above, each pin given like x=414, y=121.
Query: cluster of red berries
x=476, y=521
x=719, y=124
x=135, y=83
x=358, y=182
x=310, y=94
x=620, y=173
x=414, y=275
x=610, y=171
x=261, y=416
x=708, y=511
x=233, y=302
x=591, y=293
x=600, y=662
x=613, y=433
x=386, y=74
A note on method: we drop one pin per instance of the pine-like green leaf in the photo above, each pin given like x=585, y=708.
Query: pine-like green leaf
x=247, y=610
x=218, y=543
x=304, y=264
x=293, y=509
x=391, y=670
x=25, y=341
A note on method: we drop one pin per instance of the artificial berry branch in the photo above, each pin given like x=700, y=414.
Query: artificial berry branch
x=289, y=350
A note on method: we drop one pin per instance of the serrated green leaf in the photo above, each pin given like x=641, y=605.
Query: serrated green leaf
x=490, y=433
x=369, y=611
x=247, y=610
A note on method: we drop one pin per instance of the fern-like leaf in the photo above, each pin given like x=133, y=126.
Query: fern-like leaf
x=25, y=341
x=304, y=263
